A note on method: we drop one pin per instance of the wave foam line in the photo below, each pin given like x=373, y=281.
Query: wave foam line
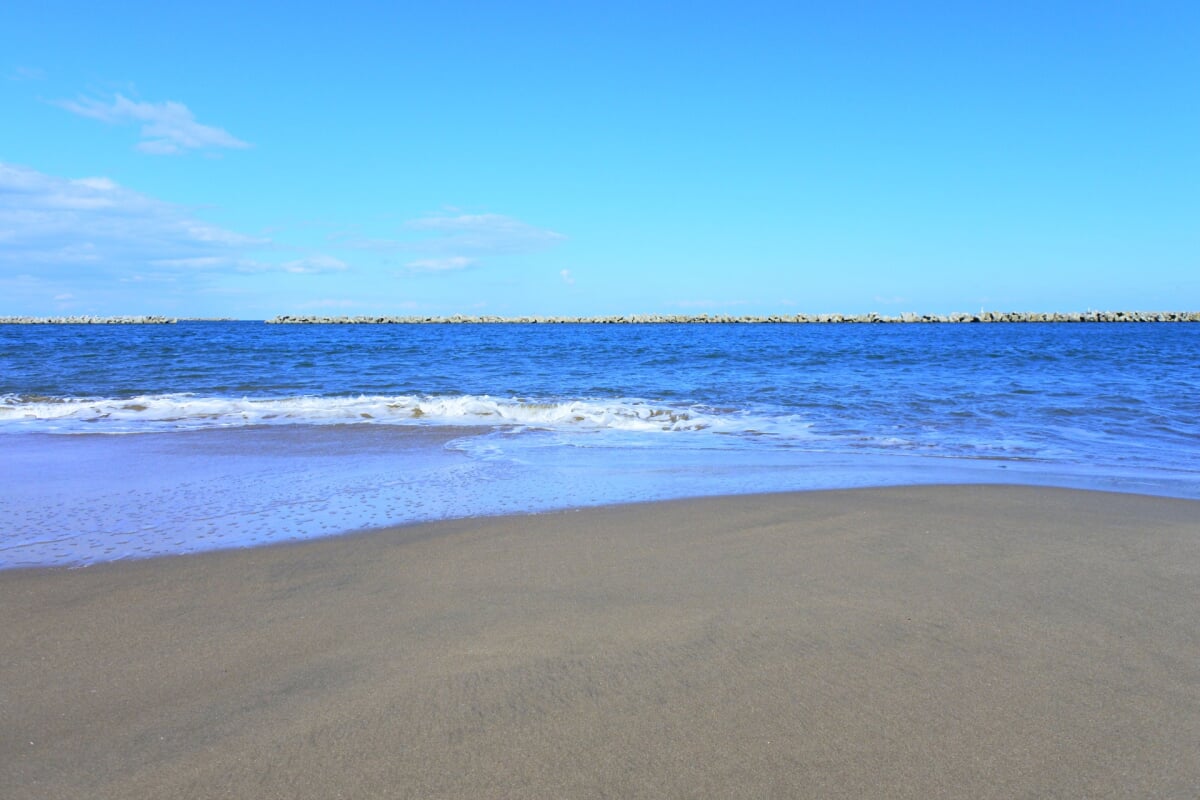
x=185, y=411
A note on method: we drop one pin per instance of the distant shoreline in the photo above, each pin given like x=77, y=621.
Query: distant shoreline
x=647, y=319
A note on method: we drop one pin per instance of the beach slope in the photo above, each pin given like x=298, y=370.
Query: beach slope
x=965, y=641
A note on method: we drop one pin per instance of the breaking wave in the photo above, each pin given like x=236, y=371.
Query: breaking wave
x=154, y=413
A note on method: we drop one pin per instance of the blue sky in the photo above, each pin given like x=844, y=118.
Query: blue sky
x=246, y=160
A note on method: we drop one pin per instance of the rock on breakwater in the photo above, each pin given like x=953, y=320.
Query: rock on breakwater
x=87, y=321
x=906, y=318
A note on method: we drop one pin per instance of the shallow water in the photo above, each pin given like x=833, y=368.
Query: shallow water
x=130, y=441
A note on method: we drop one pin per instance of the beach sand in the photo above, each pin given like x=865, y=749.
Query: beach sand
x=926, y=642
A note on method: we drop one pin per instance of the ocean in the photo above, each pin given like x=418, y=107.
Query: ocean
x=129, y=441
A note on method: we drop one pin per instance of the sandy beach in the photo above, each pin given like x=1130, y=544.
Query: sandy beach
x=975, y=641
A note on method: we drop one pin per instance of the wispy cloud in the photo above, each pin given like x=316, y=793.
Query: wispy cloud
x=167, y=128
x=196, y=263
x=97, y=226
x=314, y=264
x=567, y=277
x=483, y=234
x=301, y=266
x=453, y=242
x=49, y=220
x=27, y=74
x=441, y=264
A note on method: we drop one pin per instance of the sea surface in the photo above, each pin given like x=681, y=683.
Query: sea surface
x=128, y=441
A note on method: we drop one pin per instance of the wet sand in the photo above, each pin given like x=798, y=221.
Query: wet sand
x=918, y=642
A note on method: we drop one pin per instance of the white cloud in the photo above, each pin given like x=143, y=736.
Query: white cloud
x=198, y=262
x=483, y=234
x=440, y=264
x=301, y=266
x=166, y=128
x=456, y=241
x=95, y=226
x=121, y=249
x=48, y=220
x=357, y=242
x=27, y=74
x=567, y=277
x=313, y=264
x=459, y=241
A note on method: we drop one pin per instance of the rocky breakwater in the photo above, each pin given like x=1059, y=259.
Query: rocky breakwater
x=634, y=319
x=86, y=321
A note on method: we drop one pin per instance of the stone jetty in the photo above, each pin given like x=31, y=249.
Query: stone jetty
x=87, y=321
x=650, y=319
x=983, y=317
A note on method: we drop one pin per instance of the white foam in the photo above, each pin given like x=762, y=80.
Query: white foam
x=186, y=412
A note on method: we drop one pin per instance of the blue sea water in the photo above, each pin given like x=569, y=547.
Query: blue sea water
x=132, y=441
